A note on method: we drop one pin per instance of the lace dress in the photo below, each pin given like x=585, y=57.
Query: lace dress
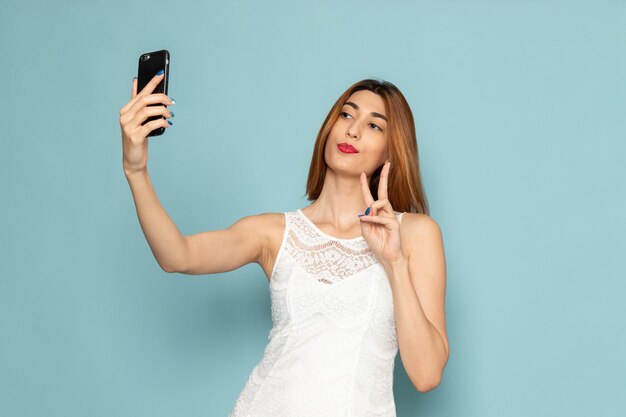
x=333, y=343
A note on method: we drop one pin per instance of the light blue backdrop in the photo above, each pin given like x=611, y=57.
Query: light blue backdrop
x=519, y=108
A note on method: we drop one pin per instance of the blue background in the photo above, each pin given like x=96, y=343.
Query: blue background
x=519, y=110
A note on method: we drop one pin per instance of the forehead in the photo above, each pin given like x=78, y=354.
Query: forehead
x=368, y=101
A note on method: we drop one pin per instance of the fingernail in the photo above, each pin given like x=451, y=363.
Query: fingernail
x=134, y=78
x=172, y=113
x=172, y=100
x=160, y=72
x=170, y=122
x=367, y=211
x=361, y=215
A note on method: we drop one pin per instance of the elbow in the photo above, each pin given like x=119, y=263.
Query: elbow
x=168, y=269
x=425, y=385
x=430, y=380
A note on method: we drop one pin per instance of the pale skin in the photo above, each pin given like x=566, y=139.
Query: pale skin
x=410, y=252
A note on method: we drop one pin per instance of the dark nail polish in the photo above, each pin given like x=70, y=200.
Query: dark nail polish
x=367, y=211
x=170, y=122
x=160, y=72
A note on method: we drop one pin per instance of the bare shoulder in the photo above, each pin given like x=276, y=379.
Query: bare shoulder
x=263, y=225
x=418, y=228
x=262, y=220
x=269, y=227
x=419, y=222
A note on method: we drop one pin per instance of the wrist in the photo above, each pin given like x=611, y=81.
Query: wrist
x=397, y=265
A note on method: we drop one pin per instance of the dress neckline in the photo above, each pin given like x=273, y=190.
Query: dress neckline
x=318, y=230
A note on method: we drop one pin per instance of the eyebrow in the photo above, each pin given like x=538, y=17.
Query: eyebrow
x=349, y=103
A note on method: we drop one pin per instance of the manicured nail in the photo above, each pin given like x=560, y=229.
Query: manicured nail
x=367, y=211
x=134, y=78
x=172, y=100
x=361, y=215
x=170, y=122
x=160, y=72
x=172, y=113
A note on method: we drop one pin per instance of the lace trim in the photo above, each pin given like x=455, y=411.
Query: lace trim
x=327, y=260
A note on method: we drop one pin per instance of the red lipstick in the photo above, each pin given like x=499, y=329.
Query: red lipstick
x=347, y=148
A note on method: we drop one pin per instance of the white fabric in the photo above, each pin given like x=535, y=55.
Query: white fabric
x=333, y=343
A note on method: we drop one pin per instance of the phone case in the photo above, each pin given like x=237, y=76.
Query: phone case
x=149, y=64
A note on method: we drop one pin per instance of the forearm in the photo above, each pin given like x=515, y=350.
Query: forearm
x=165, y=240
x=422, y=349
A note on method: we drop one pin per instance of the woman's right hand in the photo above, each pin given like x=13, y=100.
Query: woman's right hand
x=132, y=115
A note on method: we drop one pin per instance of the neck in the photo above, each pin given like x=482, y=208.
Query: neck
x=339, y=203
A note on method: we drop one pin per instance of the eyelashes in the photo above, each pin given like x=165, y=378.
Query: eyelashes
x=371, y=124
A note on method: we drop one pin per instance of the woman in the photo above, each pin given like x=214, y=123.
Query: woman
x=348, y=290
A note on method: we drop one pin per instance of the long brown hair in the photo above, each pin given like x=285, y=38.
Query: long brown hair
x=404, y=185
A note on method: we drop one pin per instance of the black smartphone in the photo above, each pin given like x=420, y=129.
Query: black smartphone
x=149, y=64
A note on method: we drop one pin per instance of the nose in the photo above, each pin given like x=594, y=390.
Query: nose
x=351, y=131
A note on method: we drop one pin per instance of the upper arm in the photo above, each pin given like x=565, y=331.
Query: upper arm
x=219, y=251
x=427, y=268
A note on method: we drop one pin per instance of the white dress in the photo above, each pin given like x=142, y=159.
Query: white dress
x=333, y=343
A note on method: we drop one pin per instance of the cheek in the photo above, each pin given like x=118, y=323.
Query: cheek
x=381, y=149
x=336, y=128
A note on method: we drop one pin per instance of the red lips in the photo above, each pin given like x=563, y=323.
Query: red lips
x=346, y=147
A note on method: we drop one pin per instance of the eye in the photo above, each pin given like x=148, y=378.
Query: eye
x=376, y=126
x=342, y=114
